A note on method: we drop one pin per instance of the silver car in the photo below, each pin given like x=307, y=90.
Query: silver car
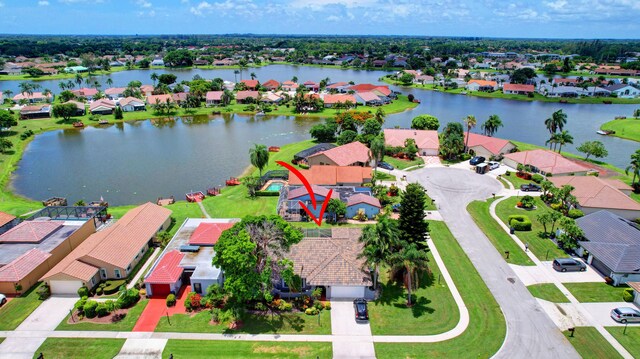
x=493, y=165
x=3, y=299
x=625, y=315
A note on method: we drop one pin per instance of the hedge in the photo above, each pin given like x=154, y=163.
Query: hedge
x=113, y=286
x=171, y=300
x=627, y=295
x=575, y=213
x=520, y=222
x=537, y=178
x=267, y=193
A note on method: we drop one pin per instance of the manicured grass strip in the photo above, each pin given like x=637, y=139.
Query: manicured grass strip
x=539, y=246
x=18, y=309
x=1, y=340
x=402, y=164
x=589, y=343
x=125, y=325
x=205, y=349
x=434, y=310
x=628, y=128
x=595, y=292
x=65, y=348
x=287, y=323
x=479, y=211
x=383, y=176
x=630, y=339
x=487, y=328
x=548, y=292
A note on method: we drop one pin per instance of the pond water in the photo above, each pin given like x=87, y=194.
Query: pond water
x=134, y=162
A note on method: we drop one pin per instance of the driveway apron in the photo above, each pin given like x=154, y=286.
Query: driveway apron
x=351, y=339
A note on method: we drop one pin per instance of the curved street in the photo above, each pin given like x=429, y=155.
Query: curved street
x=530, y=332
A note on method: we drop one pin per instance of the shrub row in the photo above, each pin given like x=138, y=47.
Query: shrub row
x=520, y=222
x=267, y=193
x=627, y=295
x=112, y=286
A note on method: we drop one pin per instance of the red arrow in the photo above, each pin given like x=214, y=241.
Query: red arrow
x=306, y=184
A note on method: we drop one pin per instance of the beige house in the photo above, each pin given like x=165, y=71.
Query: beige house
x=488, y=147
x=427, y=141
x=111, y=253
x=545, y=162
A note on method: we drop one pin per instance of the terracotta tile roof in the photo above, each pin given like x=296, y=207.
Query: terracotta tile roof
x=23, y=265
x=483, y=83
x=561, y=80
x=155, y=99
x=363, y=87
x=363, y=198
x=547, y=161
x=333, y=175
x=207, y=234
x=242, y=95
x=271, y=84
x=491, y=144
x=6, y=218
x=146, y=88
x=317, y=190
x=635, y=286
x=26, y=96
x=179, y=96
x=424, y=138
x=593, y=192
x=114, y=90
x=518, y=87
x=85, y=92
x=339, y=98
x=79, y=105
x=116, y=245
x=337, y=85
x=368, y=96
x=250, y=83
x=310, y=83
x=214, y=95
x=382, y=91
x=102, y=103
x=348, y=154
x=168, y=269
x=618, y=184
x=331, y=261
x=30, y=232
x=131, y=100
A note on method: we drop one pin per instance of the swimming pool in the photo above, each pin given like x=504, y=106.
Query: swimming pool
x=274, y=186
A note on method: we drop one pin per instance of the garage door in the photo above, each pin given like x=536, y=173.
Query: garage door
x=65, y=286
x=601, y=267
x=347, y=292
x=160, y=290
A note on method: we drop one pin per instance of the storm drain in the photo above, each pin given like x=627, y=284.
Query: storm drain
x=511, y=280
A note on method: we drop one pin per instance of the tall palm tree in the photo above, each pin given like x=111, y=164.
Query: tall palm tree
x=8, y=94
x=553, y=141
x=259, y=156
x=154, y=78
x=634, y=166
x=556, y=122
x=71, y=84
x=412, y=261
x=564, y=138
x=490, y=126
x=470, y=121
x=378, y=240
x=235, y=75
x=380, y=115
x=62, y=85
x=377, y=150
x=46, y=94
x=253, y=75
x=294, y=79
x=25, y=88
x=79, y=79
x=110, y=82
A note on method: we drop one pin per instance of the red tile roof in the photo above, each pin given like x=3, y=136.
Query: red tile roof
x=381, y=90
x=131, y=100
x=332, y=175
x=85, y=92
x=6, y=218
x=368, y=96
x=242, y=95
x=338, y=85
x=317, y=190
x=271, y=84
x=30, y=232
x=347, y=155
x=168, y=269
x=483, y=83
x=214, y=95
x=252, y=84
x=424, y=138
x=363, y=87
x=518, y=88
x=340, y=98
x=491, y=144
x=102, y=103
x=593, y=192
x=155, y=99
x=23, y=265
x=363, y=198
x=547, y=161
x=207, y=234
x=114, y=90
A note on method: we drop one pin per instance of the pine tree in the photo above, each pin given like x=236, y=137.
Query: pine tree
x=413, y=227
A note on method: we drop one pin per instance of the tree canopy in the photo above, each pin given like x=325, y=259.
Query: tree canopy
x=413, y=227
x=593, y=148
x=425, y=122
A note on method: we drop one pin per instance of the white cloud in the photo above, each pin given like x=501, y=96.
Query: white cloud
x=201, y=8
x=333, y=18
x=227, y=7
x=43, y=3
x=143, y=3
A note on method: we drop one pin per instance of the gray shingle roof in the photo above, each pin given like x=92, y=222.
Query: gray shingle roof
x=613, y=240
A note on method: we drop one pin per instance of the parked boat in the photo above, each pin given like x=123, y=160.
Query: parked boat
x=165, y=201
x=213, y=191
x=260, y=113
x=78, y=124
x=100, y=203
x=55, y=201
x=232, y=181
x=103, y=122
x=195, y=196
x=605, y=133
x=274, y=149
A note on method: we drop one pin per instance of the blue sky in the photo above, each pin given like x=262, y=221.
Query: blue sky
x=544, y=18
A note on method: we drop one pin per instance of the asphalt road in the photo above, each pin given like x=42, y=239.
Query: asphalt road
x=531, y=333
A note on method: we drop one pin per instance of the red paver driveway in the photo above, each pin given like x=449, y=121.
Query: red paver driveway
x=157, y=308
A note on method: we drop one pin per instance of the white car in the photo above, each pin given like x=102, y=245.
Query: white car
x=493, y=165
x=3, y=299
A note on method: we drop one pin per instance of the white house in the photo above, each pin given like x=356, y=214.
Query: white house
x=624, y=90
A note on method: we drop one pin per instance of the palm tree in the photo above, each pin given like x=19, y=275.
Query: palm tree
x=470, y=121
x=79, y=79
x=253, y=75
x=412, y=261
x=553, y=141
x=294, y=79
x=109, y=82
x=380, y=115
x=564, y=138
x=26, y=88
x=556, y=122
x=70, y=84
x=378, y=240
x=154, y=78
x=62, y=85
x=259, y=156
x=8, y=93
x=377, y=150
x=490, y=126
x=235, y=75
x=634, y=166
x=46, y=94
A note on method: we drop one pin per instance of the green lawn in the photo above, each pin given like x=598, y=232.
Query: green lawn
x=479, y=211
x=539, y=246
x=487, y=328
x=548, y=292
x=630, y=340
x=589, y=343
x=383, y=176
x=595, y=292
x=434, y=310
x=1, y=340
x=18, y=309
x=205, y=349
x=287, y=323
x=515, y=180
x=65, y=348
x=125, y=325
x=402, y=164
x=628, y=128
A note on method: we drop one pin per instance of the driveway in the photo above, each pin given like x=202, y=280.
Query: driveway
x=600, y=312
x=545, y=273
x=142, y=349
x=355, y=340
x=590, y=275
x=156, y=309
x=531, y=333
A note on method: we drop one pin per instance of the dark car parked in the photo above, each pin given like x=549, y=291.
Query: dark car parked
x=569, y=265
x=531, y=187
x=396, y=207
x=386, y=166
x=360, y=307
x=476, y=160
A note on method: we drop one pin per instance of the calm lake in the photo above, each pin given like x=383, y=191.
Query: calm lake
x=135, y=162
